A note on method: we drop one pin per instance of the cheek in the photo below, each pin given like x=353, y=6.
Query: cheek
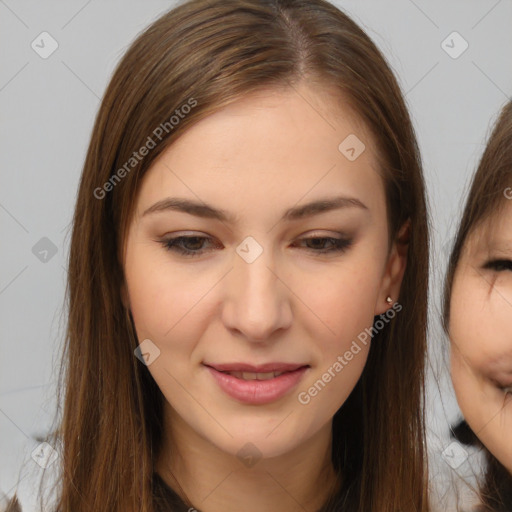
x=470, y=329
x=480, y=323
x=345, y=295
x=465, y=332
x=345, y=300
x=462, y=316
x=163, y=298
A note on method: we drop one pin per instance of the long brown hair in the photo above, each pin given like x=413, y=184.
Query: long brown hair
x=207, y=54
x=490, y=187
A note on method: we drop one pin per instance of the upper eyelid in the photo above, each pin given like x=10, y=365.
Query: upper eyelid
x=318, y=233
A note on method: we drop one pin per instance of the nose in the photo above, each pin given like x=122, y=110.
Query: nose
x=256, y=299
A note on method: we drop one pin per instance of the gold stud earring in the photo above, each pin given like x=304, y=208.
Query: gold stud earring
x=389, y=300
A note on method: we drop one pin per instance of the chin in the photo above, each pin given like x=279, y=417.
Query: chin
x=258, y=440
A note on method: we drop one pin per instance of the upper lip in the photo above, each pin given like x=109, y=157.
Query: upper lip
x=262, y=368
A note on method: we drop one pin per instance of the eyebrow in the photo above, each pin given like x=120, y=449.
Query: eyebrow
x=209, y=212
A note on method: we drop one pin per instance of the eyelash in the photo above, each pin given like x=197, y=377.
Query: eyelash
x=499, y=265
x=339, y=245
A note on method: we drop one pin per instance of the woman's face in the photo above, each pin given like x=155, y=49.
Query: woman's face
x=481, y=334
x=286, y=266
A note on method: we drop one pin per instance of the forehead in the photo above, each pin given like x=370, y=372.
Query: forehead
x=493, y=235
x=271, y=146
x=300, y=118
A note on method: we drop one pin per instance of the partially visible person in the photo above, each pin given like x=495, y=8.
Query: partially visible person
x=478, y=316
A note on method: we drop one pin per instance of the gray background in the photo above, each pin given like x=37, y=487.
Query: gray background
x=47, y=110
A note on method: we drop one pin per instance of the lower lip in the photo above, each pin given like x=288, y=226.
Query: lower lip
x=258, y=392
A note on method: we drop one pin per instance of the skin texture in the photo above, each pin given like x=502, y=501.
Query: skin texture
x=481, y=334
x=267, y=152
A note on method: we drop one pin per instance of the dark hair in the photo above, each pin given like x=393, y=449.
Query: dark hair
x=207, y=54
x=487, y=197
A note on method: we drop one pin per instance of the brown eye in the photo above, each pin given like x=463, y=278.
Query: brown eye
x=322, y=245
x=187, y=245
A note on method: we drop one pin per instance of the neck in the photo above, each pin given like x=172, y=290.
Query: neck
x=214, y=481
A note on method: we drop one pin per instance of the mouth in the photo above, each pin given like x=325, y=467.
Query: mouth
x=257, y=385
x=246, y=371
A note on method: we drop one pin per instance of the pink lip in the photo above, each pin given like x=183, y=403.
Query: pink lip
x=262, y=368
x=257, y=392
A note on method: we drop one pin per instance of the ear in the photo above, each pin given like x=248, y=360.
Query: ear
x=395, y=269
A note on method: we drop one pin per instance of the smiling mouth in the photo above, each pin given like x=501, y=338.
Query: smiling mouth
x=257, y=385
